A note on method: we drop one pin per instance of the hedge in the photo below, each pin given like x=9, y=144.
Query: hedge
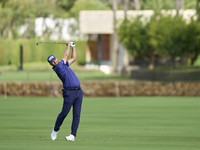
x=10, y=51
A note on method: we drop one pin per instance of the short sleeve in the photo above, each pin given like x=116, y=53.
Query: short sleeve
x=62, y=61
x=67, y=63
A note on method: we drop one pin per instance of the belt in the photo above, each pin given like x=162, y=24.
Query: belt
x=78, y=88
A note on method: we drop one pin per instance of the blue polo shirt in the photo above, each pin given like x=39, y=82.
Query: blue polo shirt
x=66, y=75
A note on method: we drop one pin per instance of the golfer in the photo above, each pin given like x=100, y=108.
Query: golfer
x=72, y=92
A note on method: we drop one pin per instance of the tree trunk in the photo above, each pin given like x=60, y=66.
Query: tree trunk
x=152, y=60
x=115, y=40
x=136, y=4
x=10, y=37
x=125, y=8
x=173, y=63
x=193, y=59
x=122, y=57
x=179, y=5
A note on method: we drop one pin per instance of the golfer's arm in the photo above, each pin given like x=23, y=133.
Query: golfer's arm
x=66, y=54
x=73, y=56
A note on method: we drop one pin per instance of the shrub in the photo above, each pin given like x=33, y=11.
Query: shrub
x=135, y=37
x=166, y=36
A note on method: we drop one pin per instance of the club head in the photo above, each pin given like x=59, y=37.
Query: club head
x=37, y=43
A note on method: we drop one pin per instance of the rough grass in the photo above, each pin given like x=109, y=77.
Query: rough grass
x=42, y=71
x=142, y=123
x=51, y=76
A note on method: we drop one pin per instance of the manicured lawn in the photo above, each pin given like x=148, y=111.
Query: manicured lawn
x=140, y=123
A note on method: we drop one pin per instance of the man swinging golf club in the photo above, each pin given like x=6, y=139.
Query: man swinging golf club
x=72, y=92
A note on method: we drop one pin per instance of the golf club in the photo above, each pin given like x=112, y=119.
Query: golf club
x=50, y=43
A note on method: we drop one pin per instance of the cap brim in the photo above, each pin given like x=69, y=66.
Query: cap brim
x=52, y=60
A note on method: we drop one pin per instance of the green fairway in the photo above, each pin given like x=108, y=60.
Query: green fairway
x=150, y=123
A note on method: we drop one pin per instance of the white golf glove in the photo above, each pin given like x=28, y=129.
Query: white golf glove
x=72, y=44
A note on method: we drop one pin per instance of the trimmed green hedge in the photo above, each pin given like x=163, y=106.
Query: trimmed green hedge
x=10, y=51
x=166, y=76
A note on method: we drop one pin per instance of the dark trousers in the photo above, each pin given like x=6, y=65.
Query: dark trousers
x=71, y=98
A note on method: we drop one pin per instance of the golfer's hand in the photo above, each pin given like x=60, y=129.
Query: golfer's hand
x=72, y=44
x=68, y=43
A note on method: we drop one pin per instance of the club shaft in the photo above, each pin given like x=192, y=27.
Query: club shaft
x=53, y=42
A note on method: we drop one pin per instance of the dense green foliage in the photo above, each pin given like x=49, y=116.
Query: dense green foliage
x=142, y=123
x=169, y=34
x=165, y=36
x=15, y=13
x=89, y=5
x=166, y=4
x=135, y=37
x=10, y=51
x=192, y=47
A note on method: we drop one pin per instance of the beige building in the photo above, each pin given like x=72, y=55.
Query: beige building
x=99, y=26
